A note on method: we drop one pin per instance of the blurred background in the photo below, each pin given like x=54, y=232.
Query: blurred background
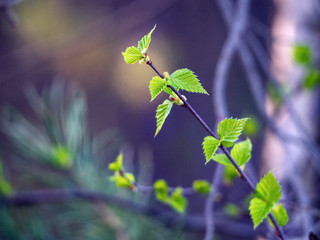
x=69, y=104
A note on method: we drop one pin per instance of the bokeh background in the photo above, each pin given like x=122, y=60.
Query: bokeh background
x=61, y=68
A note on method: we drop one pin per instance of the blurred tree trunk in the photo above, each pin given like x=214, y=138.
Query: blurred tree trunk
x=291, y=161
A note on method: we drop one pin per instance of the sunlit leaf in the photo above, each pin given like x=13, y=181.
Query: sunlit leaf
x=230, y=129
x=163, y=111
x=117, y=164
x=280, y=214
x=302, y=54
x=210, y=146
x=132, y=55
x=241, y=152
x=161, y=190
x=259, y=210
x=201, y=186
x=186, y=80
x=178, y=201
x=157, y=84
x=144, y=43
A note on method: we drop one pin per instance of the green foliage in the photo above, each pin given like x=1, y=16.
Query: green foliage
x=117, y=164
x=252, y=126
x=161, y=190
x=232, y=210
x=229, y=174
x=186, y=80
x=132, y=55
x=280, y=214
x=210, y=146
x=312, y=79
x=230, y=129
x=163, y=112
x=178, y=201
x=268, y=193
x=241, y=153
x=302, y=54
x=5, y=187
x=222, y=159
x=268, y=188
x=125, y=180
x=144, y=43
x=62, y=156
x=259, y=210
x=135, y=54
x=156, y=86
x=201, y=186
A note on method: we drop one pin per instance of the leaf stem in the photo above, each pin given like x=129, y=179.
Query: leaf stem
x=279, y=231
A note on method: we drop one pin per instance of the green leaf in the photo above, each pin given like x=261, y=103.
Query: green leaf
x=144, y=43
x=132, y=55
x=230, y=174
x=5, y=188
x=280, y=214
x=222, y=159
x=259, y=210
x=157, y=84
x=122, y=181
x=252, y=127
x=62, y=156
x=210, y=146
x=230, y=129
x=232, y=210
x=178, y=201
x=312, y=79
x=163, y=111
x=201, y=186
x=241, y=152
x=268, y=189
x=161, y=190
x=117, y=164
x=268, y=192
x=186, y=80
x=302, y=54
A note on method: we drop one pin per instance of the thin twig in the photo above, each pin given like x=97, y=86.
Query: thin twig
x=240, y=171
x=189, y=223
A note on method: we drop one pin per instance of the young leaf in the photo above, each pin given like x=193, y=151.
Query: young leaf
x=210, y=146
x=62, y=156
x=201, y=186
x=229, y=175
x=178, y=201
x=268, y=189
x=232, y=210
x=241, y=152
x=302, y=54
x=259, y=210
x=161, y=190
x=267, y=193
x=132, y=55
x=280, y=214
x=186, y=80
x=222, y=159
x=143, y=44
x=157, y=84
x=230, y=129
x=163, y=111
x=117, y=164
x=312, y=79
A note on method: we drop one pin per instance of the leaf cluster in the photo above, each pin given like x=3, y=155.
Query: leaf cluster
x=120, y=177
x=303, y=56
x=267, y=194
